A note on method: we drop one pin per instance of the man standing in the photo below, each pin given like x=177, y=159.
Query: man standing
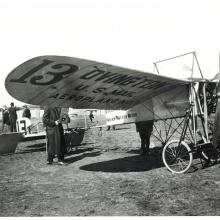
x=26, y=112
x=91, y=116
x=5, y=119
x=145, y=129
x=12, y=117
x=55, y=135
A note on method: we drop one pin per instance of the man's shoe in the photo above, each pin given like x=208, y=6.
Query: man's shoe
x=61, y=163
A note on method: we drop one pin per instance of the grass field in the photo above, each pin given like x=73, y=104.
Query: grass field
x=105, y=176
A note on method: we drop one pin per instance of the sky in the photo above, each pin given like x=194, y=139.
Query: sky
x=126, y=33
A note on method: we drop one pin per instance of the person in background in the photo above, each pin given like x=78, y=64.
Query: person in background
x=91, y=116
x=26, y=112
x=55, y=135
x=5, y=119
x=13, y=117
x=145, y=129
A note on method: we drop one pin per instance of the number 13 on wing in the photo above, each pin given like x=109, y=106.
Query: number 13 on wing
x=46, y=73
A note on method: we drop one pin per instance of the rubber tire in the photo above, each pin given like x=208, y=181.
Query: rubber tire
x=165, y=161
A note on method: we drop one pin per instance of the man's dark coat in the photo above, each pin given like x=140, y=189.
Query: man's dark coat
x=26, y=113
x=55, y=134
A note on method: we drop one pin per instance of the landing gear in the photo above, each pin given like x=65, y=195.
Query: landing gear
x=177, y=156
x=209, y=153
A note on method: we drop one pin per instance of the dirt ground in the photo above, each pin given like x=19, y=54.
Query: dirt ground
x=105, y=176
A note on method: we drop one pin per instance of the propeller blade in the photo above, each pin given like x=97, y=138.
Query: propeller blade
x=216, y=132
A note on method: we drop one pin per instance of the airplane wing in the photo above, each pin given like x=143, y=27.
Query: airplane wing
x=78, y=83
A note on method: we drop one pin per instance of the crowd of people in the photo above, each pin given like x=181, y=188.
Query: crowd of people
x=9, y=117
x=52, y=121
x=55, y=133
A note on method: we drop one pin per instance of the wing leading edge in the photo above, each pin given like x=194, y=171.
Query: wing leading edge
x=78, y=83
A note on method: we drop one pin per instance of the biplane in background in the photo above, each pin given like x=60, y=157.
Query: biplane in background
x=183, y=109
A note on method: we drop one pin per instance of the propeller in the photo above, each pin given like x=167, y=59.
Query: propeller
x=216, y=131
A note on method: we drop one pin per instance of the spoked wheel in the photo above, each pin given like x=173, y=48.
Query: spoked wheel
x=177, y=157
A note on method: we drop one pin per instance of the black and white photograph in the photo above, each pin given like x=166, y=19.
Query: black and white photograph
x=109, y=108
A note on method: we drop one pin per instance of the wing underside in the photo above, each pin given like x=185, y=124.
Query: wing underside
x=77, y=83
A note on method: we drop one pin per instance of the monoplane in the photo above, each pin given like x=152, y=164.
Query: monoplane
x=182, y=109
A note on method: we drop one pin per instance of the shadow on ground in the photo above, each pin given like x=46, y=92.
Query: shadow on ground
x=73, y=159
x=136, y=163
x=33, y=148
x=156, y=151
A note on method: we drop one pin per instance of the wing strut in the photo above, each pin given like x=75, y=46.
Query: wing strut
x=171, y=58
